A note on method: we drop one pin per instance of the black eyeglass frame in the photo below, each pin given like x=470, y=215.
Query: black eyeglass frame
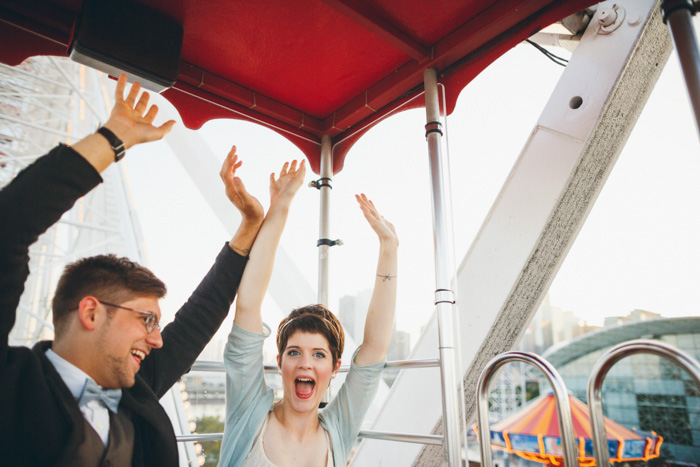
x=151, y=321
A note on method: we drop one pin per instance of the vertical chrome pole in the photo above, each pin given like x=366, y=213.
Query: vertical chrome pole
x=324, y=218
x=678, y=14
x=452, y=400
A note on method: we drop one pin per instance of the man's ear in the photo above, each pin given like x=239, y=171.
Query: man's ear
x=87, y=312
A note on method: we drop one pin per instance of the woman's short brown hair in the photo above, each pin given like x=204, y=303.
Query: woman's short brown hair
x=313, y=319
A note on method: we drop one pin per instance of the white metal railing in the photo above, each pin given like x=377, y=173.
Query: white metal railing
x=218, y=367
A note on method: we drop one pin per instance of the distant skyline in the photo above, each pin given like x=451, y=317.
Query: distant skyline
x=639, y=247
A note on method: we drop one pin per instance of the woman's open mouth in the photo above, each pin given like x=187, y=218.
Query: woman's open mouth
x=304, y=387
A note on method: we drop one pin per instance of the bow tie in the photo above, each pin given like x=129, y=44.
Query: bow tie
x=109, y=397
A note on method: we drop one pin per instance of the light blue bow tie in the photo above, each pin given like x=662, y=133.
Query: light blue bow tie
x=92, y=391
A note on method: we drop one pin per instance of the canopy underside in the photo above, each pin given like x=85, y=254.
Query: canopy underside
x=312, y=67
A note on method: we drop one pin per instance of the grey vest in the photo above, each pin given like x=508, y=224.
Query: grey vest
x=92, y=452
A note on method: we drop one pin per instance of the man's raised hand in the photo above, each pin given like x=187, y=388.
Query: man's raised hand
x=132, y=120
x=249, y=207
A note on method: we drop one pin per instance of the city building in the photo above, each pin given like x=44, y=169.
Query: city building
x=352, y=313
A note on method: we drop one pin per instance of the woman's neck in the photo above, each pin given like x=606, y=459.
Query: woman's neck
x=300, y=424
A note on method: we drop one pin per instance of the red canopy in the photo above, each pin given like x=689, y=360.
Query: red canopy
x=308, y=68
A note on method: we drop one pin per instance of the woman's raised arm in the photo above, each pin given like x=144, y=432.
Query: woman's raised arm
x=258, y=271
x=380, y=316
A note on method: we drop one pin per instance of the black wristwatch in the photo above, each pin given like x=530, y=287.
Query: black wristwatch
x=116, y=143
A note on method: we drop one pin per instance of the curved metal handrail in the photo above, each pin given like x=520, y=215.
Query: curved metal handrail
x=566, y=425
x=600, y=370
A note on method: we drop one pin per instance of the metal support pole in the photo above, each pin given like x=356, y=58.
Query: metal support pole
x=678, y=14
x=566, y=424
x=452, y=401
x=600, y=370
x=324, y=218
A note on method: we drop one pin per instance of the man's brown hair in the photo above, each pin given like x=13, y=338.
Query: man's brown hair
x=106, y=277
x=313, y=319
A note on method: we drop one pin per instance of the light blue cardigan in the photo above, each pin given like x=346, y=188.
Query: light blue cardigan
x=249, y=400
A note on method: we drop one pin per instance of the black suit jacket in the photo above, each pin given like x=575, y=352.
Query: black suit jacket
x=39, y=419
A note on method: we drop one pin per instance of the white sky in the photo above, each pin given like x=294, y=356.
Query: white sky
x=638, y=249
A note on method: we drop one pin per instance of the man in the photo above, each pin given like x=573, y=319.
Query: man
x=91, y=396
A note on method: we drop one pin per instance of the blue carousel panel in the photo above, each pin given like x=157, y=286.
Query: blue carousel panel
x=498, y=439
x=588, y=447
x=553, y=445
x=633, y=448
x=526, y=443
x=613, y=446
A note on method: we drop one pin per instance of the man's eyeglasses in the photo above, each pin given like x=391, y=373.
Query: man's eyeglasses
x=150, y=318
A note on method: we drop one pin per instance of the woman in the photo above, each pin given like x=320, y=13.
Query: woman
x=293, y=431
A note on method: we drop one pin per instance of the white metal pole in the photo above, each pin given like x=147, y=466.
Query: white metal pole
x=324, y=218
x=679, y=16
x=452, y=401
x=324, y=245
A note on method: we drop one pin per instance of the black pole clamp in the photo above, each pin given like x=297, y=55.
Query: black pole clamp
x=671, y=6
x=329, y=242
x=321, y=182
x=433, y=127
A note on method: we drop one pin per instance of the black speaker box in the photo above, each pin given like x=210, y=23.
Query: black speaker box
x=116, y=36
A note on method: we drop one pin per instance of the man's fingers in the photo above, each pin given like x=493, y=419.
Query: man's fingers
x=142, y=103
x=167, y=126
x=133, y=92
x=151, y=114
x=230, y=160
x=119, y=91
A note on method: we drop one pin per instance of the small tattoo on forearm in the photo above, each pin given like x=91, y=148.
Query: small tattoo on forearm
x=385, y=277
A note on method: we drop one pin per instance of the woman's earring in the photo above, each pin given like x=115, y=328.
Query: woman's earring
x=279, y=370
x=333, y=376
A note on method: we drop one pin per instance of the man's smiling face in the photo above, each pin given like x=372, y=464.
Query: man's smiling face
x=124, y=342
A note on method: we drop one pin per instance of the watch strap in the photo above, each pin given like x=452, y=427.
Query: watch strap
x=117, y=144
